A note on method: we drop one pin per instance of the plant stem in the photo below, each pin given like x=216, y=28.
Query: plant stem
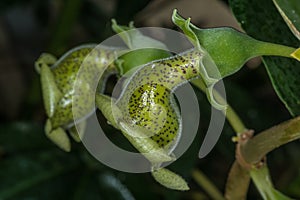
x=238, y=177
x=207, y=185
x=231, y=115
x=64, y=25
x=256, y=148
x=261, y=178
x=270, y=49
x=253, y=151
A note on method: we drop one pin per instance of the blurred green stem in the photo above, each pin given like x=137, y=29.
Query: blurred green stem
x=231, y=115
x=207, y=185
x=64, y=25
x=252, y=151
x=238, y=176
x=261, y=178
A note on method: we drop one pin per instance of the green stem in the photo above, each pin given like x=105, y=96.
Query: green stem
x=238, y=176
x=231, y=115
x=256, y=148
x=270, y=49
x=253, y=151
x=64, y=25
x=207, y=185
x=262, y=181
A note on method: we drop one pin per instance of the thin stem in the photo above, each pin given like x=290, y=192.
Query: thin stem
x=238, y=176
x=231, y=115
x=261, y=178
x=270, y=49
x=207, y=185
x=64, y=25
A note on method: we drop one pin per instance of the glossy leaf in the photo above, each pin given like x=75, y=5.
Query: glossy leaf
x=290, y=12
x=260, y=19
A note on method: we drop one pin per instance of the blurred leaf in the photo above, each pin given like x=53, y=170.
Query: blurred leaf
x=290, y=12
x=293, y=188
x=33, y=175
x=22, y=136
x=125, y=10
x=87, y=187
x=139, y=191
x=261, y=20
x=110, y=184
x=4, y=4
x=31, y=167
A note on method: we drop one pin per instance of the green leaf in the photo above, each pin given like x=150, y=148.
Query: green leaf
x=110, y=184
x=261, y=20
x=290, y=12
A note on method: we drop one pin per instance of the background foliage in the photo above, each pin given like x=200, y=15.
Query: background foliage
x=32, y=167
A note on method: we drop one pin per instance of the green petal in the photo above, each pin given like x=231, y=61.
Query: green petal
x=169, y=179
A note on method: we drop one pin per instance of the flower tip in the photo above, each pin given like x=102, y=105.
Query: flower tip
x=296, y=54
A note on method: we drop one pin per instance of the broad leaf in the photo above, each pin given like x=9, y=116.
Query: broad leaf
x=31, y=167
x=39, y=175
x=290, y=12
x=261, y=20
